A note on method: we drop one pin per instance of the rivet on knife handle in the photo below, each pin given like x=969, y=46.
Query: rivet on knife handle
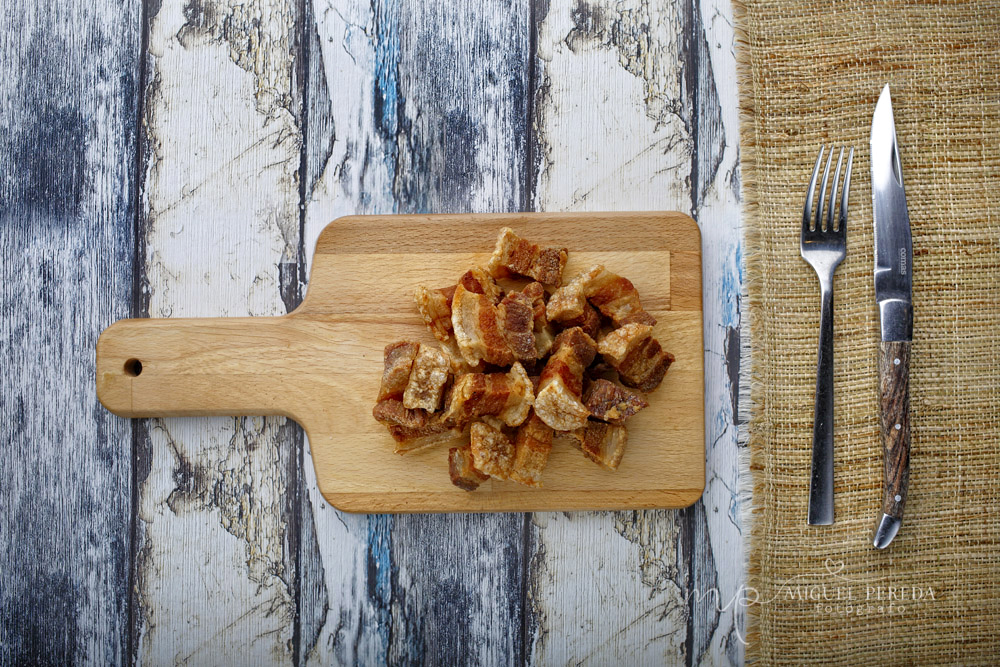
x=894, y=398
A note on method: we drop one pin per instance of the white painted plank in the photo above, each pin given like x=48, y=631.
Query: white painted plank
x=606, y=587
x=609, y=113
x=214, y=570
x=68, y=85
x=416, y=107
x=348, y=170
x=646, y=132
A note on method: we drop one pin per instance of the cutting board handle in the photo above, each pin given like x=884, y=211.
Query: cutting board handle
x=198, y=367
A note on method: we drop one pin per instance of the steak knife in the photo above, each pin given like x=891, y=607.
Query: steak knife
x=893, y=292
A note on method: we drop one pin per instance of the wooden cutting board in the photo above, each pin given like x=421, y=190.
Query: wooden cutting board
x=321, y=364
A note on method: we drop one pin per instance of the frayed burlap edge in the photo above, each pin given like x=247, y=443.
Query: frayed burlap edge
x=751, y=463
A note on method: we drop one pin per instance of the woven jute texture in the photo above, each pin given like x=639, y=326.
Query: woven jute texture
x=811, y=73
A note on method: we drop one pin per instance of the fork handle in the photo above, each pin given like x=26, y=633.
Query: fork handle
x=821, y=479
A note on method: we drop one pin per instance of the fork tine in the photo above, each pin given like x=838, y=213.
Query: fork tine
x=833, y=192
x=822, y=192
x=842, y=225
x=807, y=209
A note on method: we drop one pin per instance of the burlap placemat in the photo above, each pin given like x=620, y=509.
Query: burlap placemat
x=811, y=73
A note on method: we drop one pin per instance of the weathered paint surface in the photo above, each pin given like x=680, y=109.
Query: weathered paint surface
x=589, y=568
x=717, y=603
x=345, y=568
x=416, y=107
x=67, y=208
x=647, y=132
x=262, y=122
x=215, y=567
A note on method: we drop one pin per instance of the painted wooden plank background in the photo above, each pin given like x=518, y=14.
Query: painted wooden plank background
x=216, y=138
x=67, y=208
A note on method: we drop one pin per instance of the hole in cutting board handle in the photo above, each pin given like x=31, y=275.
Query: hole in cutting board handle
x=133, y=367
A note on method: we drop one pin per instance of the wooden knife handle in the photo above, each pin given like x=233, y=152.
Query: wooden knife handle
x=894, y=397
x=199, y=367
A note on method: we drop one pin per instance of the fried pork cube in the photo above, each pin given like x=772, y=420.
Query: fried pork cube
x=479, y=281
x=614, y=296
x=459, y=366
x=544, y=340
x=536, y=292
x=435, y=309
x=507, y=396
x=638, y=357
x=436, y=430
x=589, y=321
x=532, y=445
x=602, y=443
x=392, y=412
x=515, y=255
x=413, y=429
x=557, y=402
x=617, y=345
x=569, y=302
x=545, y=333
x=430, y=372
x=463, y=473
x=398, y=360
x=498, y=334
x=476, y=322
x=517, y=321
x=492, y=450
x=617, y=298
x=608, y=402
x=434, y=305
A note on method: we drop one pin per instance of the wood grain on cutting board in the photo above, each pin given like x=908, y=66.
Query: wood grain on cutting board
x=321, y=364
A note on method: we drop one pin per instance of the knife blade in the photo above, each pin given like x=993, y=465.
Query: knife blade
x=893, y=293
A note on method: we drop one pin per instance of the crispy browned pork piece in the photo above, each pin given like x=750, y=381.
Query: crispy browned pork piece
x=435, y=309
x=410, y=374
x=545, y=333
x=532, y=445
x=508, y=396
x=611, y=403
x=514, y=255
x=517, y=321
x=476, y=322
x=602, y=443
x=413, y=429
x=398, y=360
x=434, y=305
x=638, y=357
x=589, y=321
x=430, y=372
x=492, y=450
x=392, y=412
x=558, y=400
x=436, y=431
x=479, y=281
x=617, y=298
x=568, y=302
x=614, y=296
x=497, y=334
x=461, y=470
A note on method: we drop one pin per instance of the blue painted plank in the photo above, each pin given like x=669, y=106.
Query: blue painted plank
x=69, y=86
x=448, y=99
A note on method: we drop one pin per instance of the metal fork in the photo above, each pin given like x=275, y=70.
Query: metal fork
x=824, y=248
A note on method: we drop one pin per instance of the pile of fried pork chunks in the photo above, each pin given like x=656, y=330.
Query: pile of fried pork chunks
x=514, y=368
